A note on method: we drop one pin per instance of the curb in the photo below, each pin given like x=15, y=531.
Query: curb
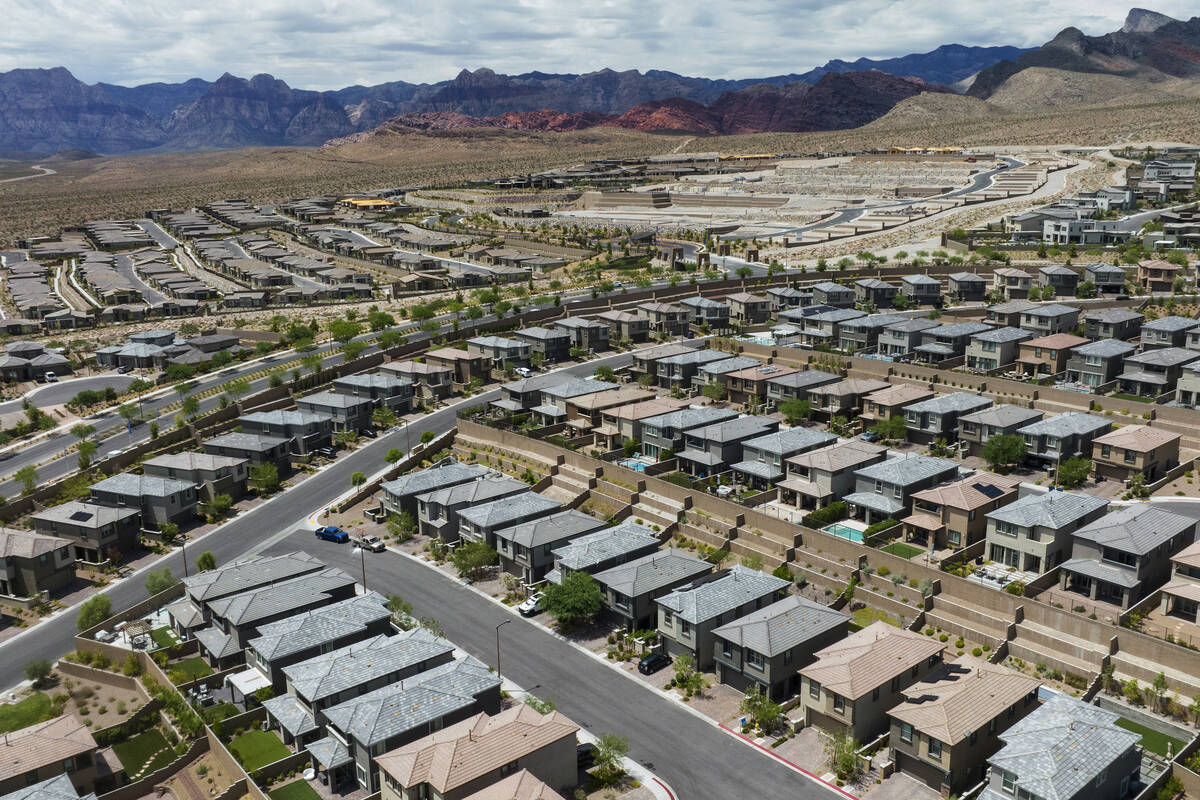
x=788, y=764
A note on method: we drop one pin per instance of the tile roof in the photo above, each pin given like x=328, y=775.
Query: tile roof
x=790, y=440
x=870, y=658
x=253, y=442
x=1068, y=424
x=1057, y=341
x=848, y=387
x=353, y=665
x=733, y=430
x=1136, y=529
x=958, y=329
x=142, y=485
x=728, y=365
x=898, y=395
x=652, y=572
x=596, y=548
x=1053, y=510
x=722, y=591
x=426, y=480
x=509, y=510
x=313, y=628
x=249, y=573
x=476, y=492
x=551, y=529
x=647, y=408
x=286, y=418
x=57, y=788
x=1164, y=357
x=688, y=418
x=193, y=461
x=962, y=402
x=907, y=469
x=334, y=400
x=1115, y=574
x=971, y=492
x=522, y=785
x=918, y=280
x=961, y=277
x=1105, y=348
x=694, y=357
x=578, y=387
x=1139, y=438
x=468, y=750
x=1170, y=323
x=85, y=515
x=27, y=544
x=839, y=456
x=42, y=744
x=779, y=627
x=961, y=697
x=1002, y=335
x=296, y=594
x=1113, y=315
x=1002, y=415
x=1051, y=310
x=1012, y=306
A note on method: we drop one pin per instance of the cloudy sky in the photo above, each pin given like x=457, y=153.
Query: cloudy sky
x=325, y=44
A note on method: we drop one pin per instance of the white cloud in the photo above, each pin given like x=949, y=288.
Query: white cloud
x=324, y=44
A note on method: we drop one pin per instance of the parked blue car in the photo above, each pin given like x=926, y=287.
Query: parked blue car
x=869, y=436
x=332, y=533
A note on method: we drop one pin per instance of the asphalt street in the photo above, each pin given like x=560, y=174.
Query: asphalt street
x=52, y=394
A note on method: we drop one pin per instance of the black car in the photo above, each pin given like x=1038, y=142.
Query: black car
x=585, y=755
x=652, y=663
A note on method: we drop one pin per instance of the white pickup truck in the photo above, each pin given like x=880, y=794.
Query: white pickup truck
x=368, y=542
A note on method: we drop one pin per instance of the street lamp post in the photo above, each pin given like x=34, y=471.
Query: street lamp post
x=498, y=627
x=362, y=556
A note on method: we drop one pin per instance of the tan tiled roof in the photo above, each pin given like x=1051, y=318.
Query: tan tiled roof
x=1139, y=438
x=838, y=456
x=897, y=395
x=758, y=374
x=630, y=393
x=1188, y=556
x=870, y=658
x=850, y=386
x=960, y=697
x=47, y=742
x=648, y=408
x=453, y=354
x=474, y=747
x=521, y=786
x=1055, y=341
x=926, y=522
x=965, y=494
x=27, y=544
x=1157, y=263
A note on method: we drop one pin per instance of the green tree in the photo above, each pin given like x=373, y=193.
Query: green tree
x=85, y=451
x=191, y=406
x=344, y=330
x=1004, y=452
x=1159, y=689
x=427, y=437
x=394, y=454
x=609, y=755
x=153, y=429
x=713, y=391
x=159, y=580
x=605, y=373
x=647, y=380
x=687, y=674
x=796, y=410
x=576, y=599
x=27, y=476
x=402, y=612
x=265, y=478
x=169, y=531
x=93, y=611
x=378, y=320
x=744, y=272
x=217, y=508
x=82, y=431
x=383, y=417
x=357, y=479
x=402, y=526
x=389, y=339
x=207, y=562
x=842, y=752
x=312, y=362
x=237, y=389
x=1073, y=472
x=891, y=428
x=37, y=671
x=472, y=559
x=630, y=447
x=758, y=705
x=352, y=350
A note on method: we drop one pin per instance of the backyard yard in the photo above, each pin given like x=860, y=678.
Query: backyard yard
x=144, y=753
x=296, y=790
x=1152, y=740
x=255, y=749
x=188, y=669
x=164, y=637
x=33, y=709
x=902, y=549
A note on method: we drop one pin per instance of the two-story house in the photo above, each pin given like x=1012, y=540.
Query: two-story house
x=461, y=366
x=625, y=326
x=400, y=494
x=713, y=315
x=437, y=510
x=753, y=385
x=822, y=329
x=624, y=423
x=766, y=648
x=1050, y=318
x=161, y=500
x=631, y=588
x=978, y=427
x=1156, y=275
x=553, y=406
x=1099, y=363
x=667, y=431
x=255, y=448
x=526, y=549
x=1181, y=596
x=862, y=333
x=1166, y=332
x=1152, y=373
x=1048, y=354
x=828, y=293
x=586, y=334
x=97, y=533
x=604, y=549
x=667, y=319
x=306, y=432
x=59, y=755
x=854, y=683
x=688, y=615
x=212, y=475
x=678, y=371
x=385, y=391
x=795, y=385
x=1107, y=278
x=1143, y=449
x=1063, y=281
x=872, y=291
x=887, y=403
x=718, y=371
x=922, y=290
x=1033, y=533
x=947, y=341
x=348, y=413
x=966, y=287
x=479, y=523
x=1112, y=323
x=32, y=565
x=1009, y=314
x=546, y=345
x=784, y=297
x=503, y=351
x=995, y=348
x=711, y=450
x=1125, y=555
x=884, y=491
x=953, y=515
x=819, y=477
x=937, y=417
x=748, y=309
x=1052, y=440
x=950, y=721
x=1011, y=284
x=764, y=457
x=901, y=338
x=844, y=398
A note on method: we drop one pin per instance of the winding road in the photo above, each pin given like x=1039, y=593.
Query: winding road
x=42, y=172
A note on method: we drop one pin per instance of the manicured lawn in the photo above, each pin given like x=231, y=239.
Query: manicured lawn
x=163, y=638
x=32, y=709
x=135, y=753
x=1153, y=741
x=1135, y=398
x=296, y=790
x=192, y=667
x=865, y=616
x=902, y=549
x=256, y=749
x=215, y=714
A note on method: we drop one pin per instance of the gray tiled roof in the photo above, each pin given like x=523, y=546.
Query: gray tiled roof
x=1103, y=571
x=830, y=286
x=285, y=418
x=728, y=365
x=291, y=714
x=884, y=504
x=1172, y=323
x=1104, y=348
x=702, y=302
x=537, y=383
x=1136, y=529
x=1012, y=307
x=362, y=662
x=249, y=573
x=1003, y=335
x=913, y=326
x=498, y=341
x=475, y=492
x=735, y=429
x=252, y=442
x=967, y=277
x=1101, y=268
x=508, y=510
x=1002, y=416
x=959, y=329
x=1061, y=747
x=695, y=357
x=319, y=626
x=334, y=400
x=85, y=515
x=652, y=572
x=1164, y=356
x=873, y=283
x=836, y=315
x=372, y=381
x=428, y=479
x=1112, y=315
x=538, y=332
x=962, y=402
x=790, y=441
x=329, y=752
x=906, y=469
x=596, y=548
x=296, y=594
x=549, y=411
x=412, y=703
x=1068, y=424
x=218, y=643
x=578, y=387
x=687, y=418
x=551, y=529
x=873, y=322
x=782, y=625
x=919, y=280
x=57, y=788
x=128, y=483
x=804, y=379
x=722, y=591
x=1057, y=269
x=1053, y=510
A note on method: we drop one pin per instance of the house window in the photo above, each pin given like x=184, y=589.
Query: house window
x=954, y=538
x=935, y=749
x=875, y=694
x=839, y=704
x=906, y=733
x=726, y=649
x=814, y=689
x=1101, y=778
x=1008, y=782
x=685, y=627
x=667, y=617
x=508, y=769
x=755, y=659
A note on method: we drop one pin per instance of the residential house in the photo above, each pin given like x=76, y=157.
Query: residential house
x=688, y=615
x=667, y=431
x=58, y=748
x=1066, y=750
x=793, y=385
x=978, y=427
x=161, y=500
x=823, y=329
x=922, y=290
x=950, y=721
x=937, y=418
x=438, y=510
x=1181, y=596
x=995, y=348
x=1142, y=449
x=32, y=565
x=947, y=341
x=872, y=291
x=588, y=335
x=520, y=784
x=1156, y=275
x=213, y=475
x=481, y=522
x=966, y=287
x=625, y=326
x=1050, y=318
x=603, y=550
x=764, y=457
x=819, y=477
x=624, y=423
x=863, y=333
x=1112, y=323
x=765, y=648
x=1107, y=278
x=546, y=345
x=748, y=309
x=844, y=398
x=854, y=682
x=256, y=448
x=784, y=297
x=954, y=515
x=892, y=401
x=828, y=293
x=385, y=391
x=884, y=490
x=525, y=394
x=718, y=371
x=553, y=407
x=712, y=314
x=431, y=380
x=587, y=411
x=463, y=366
x=526, y=549
x=1097, y=364
x=400, y=494
x=1048, y=354
x=502, y=351
x=1125, y=555
x=1009, y=314
x=1052, y=440
x=901, y=338
x=711, y=450
x=677, y=371
x=1152, y=373
x=305, y=432
x=645, y=360
x=461, y=761
x=1193, y=339
x=98, y=533
x=1170, y=331
x=631, y=588
x=667, y=319
x=59, y=787
x=1011, y=284
x=752, y=386
x=1033, y=533
x=1063, y=281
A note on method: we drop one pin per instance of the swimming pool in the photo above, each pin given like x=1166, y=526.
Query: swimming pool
x=844, y=531
x=633, y=464
x=765, y=341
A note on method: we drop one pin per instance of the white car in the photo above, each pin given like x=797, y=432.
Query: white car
x=532, y=605
x=524, y=372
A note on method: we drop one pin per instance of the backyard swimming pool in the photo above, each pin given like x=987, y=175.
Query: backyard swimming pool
x=633, y=464
x=844, y=531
